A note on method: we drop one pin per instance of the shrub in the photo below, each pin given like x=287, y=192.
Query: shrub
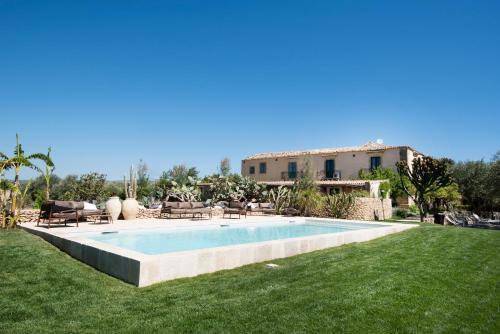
x=360, y=193
x=309, y=201
x=401, y=213
x=339, y=205
x=413, y=209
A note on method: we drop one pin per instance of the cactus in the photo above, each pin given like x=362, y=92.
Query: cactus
x=280, y=197
x=130, y=185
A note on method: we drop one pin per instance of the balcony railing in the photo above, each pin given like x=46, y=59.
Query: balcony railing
x=323, y=175
x=290, y=176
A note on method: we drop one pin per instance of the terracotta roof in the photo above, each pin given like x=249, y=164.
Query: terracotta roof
x=370, y=146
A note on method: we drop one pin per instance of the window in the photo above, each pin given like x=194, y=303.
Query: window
x=329, y=169
x=252, y=169
x=262, y=168
x=374, y=163
x=292, y=170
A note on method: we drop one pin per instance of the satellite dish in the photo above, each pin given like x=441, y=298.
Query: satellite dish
x=380, y=141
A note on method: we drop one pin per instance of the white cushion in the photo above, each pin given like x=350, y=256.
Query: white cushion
x=89, y=206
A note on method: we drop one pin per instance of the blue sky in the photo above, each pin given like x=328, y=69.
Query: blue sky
x=106, y=83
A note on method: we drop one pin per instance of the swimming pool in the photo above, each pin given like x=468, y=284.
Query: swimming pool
x=146, y=252
x=160, y=241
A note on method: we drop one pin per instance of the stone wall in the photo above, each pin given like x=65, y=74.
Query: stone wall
x=365, y=208
x=29, y=215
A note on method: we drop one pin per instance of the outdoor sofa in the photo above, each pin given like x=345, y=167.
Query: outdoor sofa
x=60, y=212
x=183, y=209
x=263, y=208
x=235, y=208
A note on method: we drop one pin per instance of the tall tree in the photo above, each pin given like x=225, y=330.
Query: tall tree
x=91, y=187
x=179, y=177
x=225, y=167
x=143, y=185
x=494, y=187
x=181, y=174
x=473, y=179
x=426, y=175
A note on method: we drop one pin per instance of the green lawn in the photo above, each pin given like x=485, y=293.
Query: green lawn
x=430, y=279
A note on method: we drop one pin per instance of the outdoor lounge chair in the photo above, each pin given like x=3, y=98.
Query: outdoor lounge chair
x=235, y=208
x=291, y=212
x=58, y=212
x=455, y=219
x=67, y=211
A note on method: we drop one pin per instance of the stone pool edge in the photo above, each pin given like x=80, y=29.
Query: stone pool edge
x=144, y=270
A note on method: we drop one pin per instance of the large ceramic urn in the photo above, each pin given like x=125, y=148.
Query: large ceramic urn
x=130, y=208
x=114, y=207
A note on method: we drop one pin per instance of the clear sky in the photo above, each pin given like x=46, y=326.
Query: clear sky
x=106, y=83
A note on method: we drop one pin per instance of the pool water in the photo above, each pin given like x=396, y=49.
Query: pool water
x=159, y=241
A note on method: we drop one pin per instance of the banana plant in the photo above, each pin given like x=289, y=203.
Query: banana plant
x=4, y=194
x=17, y=162
x=47, y=175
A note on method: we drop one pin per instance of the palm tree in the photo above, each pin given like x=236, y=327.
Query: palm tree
x=16, y=162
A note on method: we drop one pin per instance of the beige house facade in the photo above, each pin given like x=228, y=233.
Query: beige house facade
x=332, y=168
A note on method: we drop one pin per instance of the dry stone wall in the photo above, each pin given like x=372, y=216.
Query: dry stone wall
x=367, y=208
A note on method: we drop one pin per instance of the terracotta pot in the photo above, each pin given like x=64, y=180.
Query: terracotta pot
x=114, y=207
x=130, y=208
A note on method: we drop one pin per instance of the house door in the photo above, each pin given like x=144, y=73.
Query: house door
x=329, y=169
x=292, y=170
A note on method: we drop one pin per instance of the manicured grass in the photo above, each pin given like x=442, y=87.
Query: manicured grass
x=430, y=279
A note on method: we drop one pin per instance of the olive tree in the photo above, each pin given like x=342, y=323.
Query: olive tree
x=426, y=175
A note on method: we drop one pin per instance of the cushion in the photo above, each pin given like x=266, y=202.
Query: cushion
x=252, y=205
x=173, y=205
x=184, y=205
x=89, y=206
x=197, y=205
x=237, y=205
x=266, y=205
x=66, y=205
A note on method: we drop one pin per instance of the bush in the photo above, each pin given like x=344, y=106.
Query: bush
x=339, y=205
x=309, y=201
x=401, y=213
x=413, y=209
x=360, y=193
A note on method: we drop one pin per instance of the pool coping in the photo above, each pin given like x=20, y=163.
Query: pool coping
x=144, y=270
